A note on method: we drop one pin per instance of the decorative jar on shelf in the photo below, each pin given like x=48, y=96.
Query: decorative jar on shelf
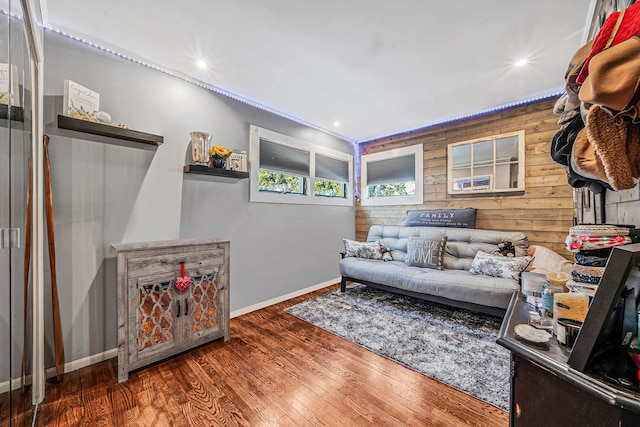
x=218, y=162
x=200, y=144
x=218, y=156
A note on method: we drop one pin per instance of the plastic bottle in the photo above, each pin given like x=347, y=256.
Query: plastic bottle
x=547, y=298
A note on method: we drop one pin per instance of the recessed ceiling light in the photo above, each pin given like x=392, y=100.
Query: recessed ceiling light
x=336, y=123
x=201, y=64
x=521, y=62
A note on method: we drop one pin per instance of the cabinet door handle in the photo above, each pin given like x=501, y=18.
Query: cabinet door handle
x=186, y=307
x=178, y=304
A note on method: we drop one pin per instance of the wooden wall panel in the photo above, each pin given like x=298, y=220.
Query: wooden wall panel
x=544, y=211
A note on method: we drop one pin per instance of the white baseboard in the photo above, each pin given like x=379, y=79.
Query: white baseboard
x=105, y=355
x=5, y=386
x=68, y=367
x=276, y=300
x=84, y=362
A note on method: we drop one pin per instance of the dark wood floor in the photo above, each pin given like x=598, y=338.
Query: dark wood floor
x=275, y=370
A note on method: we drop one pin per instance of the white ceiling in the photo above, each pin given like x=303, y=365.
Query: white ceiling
x=379, y=67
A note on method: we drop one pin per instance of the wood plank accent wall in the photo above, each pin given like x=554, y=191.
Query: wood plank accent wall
x=544, y=212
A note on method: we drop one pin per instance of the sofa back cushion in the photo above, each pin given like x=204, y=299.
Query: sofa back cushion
x=462, y=243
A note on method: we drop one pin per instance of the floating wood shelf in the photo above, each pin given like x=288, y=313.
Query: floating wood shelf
x=205, y=170
x=85, y=126
x=17, y=113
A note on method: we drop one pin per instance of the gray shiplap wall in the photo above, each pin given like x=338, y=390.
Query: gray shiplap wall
x=108, y=193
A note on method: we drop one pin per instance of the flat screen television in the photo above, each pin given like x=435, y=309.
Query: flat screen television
x=611, y=322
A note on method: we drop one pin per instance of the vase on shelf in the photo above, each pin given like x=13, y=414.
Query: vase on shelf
x=218, y=162
x=200, y=144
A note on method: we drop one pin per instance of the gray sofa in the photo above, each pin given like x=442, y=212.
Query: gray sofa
x=454, y=285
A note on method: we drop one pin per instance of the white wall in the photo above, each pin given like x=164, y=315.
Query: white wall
x=623, y=207
x=109, y=192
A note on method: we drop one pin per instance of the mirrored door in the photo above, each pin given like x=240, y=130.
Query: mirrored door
x=15, y=144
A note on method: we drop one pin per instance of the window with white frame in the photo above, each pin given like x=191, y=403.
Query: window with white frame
x=392, y=177
x=288, y=170
x=487, y=165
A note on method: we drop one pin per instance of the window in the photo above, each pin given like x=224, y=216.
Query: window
x=393, y=177
x=283, y=169
x=487, y=165
x=332, y=177
x=289, y=170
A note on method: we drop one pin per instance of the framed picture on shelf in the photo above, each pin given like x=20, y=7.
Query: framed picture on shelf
x=237, y=161
x=80, y=102
x=9, y=85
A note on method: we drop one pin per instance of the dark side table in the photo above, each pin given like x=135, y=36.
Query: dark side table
x=545, y=391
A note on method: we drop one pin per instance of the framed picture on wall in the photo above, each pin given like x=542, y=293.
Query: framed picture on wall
x=577, y=206
x=588, y=213
x=589, y=206
x=598, y=207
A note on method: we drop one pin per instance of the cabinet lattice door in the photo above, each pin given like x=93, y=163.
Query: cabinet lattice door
x=205, y=315
x=155, y=311
x=155, y=315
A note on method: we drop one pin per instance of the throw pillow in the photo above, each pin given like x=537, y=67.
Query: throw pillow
x=505, y=248
x=547, y=261
x=368, y=250
x=459, y=218
x=425, y=253
x=499, y=266
x=386, y=252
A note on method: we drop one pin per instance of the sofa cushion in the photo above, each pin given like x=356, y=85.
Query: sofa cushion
x=426, y=253
x=498, y=265
x=457, y=285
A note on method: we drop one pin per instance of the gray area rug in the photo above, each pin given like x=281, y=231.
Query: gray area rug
x=454, y=346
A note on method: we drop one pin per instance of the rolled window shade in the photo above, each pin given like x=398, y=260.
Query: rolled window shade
x=394, y=170
x=282, y=158
x=332, y=169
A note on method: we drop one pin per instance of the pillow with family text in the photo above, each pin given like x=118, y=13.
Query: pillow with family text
x=456, y=218
x=425, y=253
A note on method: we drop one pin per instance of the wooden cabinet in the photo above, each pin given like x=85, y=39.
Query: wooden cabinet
x=543, y=398
x=155, y=318
x=546, y=391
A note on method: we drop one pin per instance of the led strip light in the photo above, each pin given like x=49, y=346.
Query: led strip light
x=467, y=116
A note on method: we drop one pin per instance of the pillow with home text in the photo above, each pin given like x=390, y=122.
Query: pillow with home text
x=425, y=253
